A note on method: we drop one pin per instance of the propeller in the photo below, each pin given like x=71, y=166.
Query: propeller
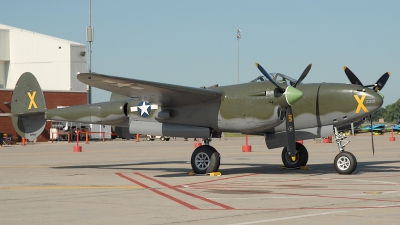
x=303, y=75
x=381, y=81
x=290, y=95
x=266, y=74
x=379, y=84
x=352, y=77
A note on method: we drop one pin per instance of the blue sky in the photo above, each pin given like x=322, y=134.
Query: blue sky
x=193, y=43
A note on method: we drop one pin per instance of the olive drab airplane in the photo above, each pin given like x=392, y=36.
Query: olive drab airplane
x=280, y=108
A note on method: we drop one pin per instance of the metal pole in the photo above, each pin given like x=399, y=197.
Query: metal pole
x=89, y=38
x=238, y=36
x=90, y=42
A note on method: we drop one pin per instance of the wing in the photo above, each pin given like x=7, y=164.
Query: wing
x=164, y=94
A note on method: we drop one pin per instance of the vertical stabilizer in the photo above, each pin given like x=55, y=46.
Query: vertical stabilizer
x=28, y=107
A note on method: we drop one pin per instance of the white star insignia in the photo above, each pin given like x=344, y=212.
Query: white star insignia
x=144, y=108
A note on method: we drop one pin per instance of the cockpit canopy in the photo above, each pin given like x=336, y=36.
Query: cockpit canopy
x=278, y=78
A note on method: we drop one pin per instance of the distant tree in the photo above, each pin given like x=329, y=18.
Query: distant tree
x=378, y=114
x=392, y=113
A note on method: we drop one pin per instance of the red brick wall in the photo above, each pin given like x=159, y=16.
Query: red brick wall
x=53, y=99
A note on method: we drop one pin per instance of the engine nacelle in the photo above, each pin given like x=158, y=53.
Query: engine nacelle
x=165, y=129
x=108, y=112
x=279, y=139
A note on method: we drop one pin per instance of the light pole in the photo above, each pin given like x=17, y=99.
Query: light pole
x=247, y=147
x=238, y=36
x=89, y=39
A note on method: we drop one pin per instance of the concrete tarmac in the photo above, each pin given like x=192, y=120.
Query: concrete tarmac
x=147, y=182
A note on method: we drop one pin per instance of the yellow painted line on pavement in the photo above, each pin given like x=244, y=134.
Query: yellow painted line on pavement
x=67, y=187
x=166, y=165
x=25, y=166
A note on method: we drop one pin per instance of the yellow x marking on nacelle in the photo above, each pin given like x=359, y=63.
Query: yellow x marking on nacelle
x=360, y=103
x=32, y=98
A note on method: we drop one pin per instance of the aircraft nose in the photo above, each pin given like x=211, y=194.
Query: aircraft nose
x=378, y=99
x=368, y=100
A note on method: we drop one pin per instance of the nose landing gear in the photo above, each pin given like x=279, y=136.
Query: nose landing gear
x=345, y=162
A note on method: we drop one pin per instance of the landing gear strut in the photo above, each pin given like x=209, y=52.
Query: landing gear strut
x=345, y=162
x=301, y=157
x=205, y=159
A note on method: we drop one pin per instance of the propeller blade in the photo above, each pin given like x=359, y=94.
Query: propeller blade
x=290, y=132
x=352, y=128
x=303, y=75
x=352, y=77
x=372, y=136
x=266, y=74
x=381, y=81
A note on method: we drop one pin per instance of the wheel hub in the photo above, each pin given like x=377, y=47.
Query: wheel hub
x=343, y=163
x=202, y=161
x=289, y=158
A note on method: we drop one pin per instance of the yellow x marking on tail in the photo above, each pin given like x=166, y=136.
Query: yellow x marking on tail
x=32, y=98
x=360, y=104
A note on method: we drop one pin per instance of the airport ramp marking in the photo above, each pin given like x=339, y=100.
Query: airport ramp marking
x=66, y=187
x=185, y=192
x=223, y=206
x=158, y=192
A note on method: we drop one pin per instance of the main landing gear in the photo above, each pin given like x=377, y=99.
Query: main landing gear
x=205, y=159
x=345, y=162
x=301, y=157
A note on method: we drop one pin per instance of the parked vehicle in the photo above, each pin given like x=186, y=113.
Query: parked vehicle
x=396, y=128
x=379, y=128
x=362, y=129
x=153, y=137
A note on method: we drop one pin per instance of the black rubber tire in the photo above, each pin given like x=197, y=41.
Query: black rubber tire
x=162, y=138
x=301, y=157
x=167, y=139
x=148, y=138
x=345, y=163
x=205, y=159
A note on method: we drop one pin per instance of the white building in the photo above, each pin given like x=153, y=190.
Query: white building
x=55, y=62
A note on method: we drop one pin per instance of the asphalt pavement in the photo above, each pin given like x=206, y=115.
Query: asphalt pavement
x=148, y=182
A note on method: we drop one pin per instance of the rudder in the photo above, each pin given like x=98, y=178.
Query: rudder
x=28, y=107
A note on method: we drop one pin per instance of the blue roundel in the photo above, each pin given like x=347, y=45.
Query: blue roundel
x=144, y=109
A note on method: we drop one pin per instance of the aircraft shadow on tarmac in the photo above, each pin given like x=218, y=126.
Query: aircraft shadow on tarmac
x=183, y=168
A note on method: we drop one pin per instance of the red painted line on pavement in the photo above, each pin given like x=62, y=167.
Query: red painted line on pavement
x=226, y=178
x=158, y=192
x=185, y=192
